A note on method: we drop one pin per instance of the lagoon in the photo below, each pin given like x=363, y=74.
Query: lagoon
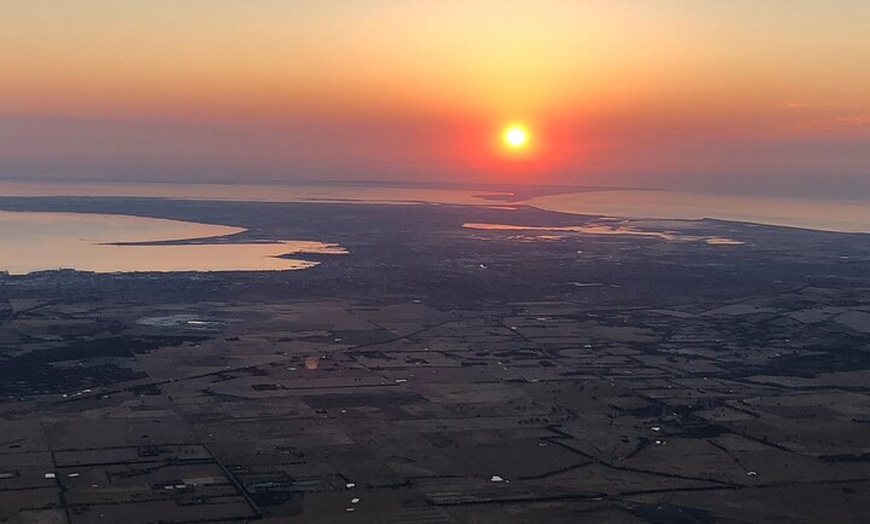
x=100, y=243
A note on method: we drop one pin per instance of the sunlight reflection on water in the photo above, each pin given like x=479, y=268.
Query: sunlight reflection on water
x=43, y=241
x=792, y=212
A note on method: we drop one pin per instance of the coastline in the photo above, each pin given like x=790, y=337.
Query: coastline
x=843, y=216
x=817, y=215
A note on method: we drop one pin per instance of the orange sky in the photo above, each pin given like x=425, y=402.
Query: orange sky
x=614, y=91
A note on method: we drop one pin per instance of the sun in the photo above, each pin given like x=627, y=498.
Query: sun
x=516, y=136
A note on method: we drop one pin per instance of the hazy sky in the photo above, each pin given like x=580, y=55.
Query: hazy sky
x=743, y=93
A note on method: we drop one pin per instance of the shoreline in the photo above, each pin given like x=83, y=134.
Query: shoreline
x=557, y=203
x=835, y=216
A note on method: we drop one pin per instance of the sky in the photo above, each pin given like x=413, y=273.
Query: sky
x=763, y=96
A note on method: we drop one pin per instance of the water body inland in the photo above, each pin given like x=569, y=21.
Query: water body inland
x=112, y=243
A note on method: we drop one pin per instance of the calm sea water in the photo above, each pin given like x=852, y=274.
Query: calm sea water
x=826, y=215
x=41, y=241
x=250, y=192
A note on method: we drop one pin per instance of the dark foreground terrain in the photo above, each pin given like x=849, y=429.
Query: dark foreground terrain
x=437, y=374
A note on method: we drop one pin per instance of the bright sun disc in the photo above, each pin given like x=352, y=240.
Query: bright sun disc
x=516, y=136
